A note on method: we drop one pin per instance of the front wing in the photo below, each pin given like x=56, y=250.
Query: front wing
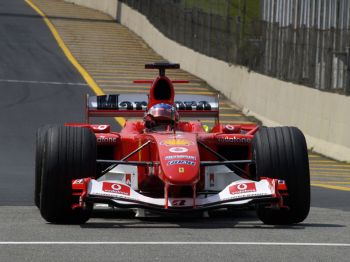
x=238, y=193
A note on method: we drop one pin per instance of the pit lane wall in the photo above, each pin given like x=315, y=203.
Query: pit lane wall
x=323, y=117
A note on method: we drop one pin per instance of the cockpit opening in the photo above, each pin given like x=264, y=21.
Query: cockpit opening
x=162, y=90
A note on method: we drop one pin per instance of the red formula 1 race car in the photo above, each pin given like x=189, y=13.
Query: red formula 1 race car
x=165, y=164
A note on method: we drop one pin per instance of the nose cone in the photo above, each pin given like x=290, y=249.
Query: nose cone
x=179, y=158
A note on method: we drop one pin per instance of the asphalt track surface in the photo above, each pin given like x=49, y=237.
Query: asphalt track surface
x=29, y=54
x=39, y=86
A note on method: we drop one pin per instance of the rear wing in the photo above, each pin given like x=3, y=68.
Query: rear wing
x=135, y=105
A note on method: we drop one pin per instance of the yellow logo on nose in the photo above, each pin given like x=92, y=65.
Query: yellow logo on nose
x=176, y=142
x=181, y=170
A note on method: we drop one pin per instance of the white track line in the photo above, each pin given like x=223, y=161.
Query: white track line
x=41, y=82
x=176, y=243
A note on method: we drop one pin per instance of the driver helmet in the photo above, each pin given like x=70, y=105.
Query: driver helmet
x=161, y=114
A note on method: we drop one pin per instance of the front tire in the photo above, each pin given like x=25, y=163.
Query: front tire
x=69, y=153
x=39, y=149
x=281, y=153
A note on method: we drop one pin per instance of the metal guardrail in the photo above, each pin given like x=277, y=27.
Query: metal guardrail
x=302, y=41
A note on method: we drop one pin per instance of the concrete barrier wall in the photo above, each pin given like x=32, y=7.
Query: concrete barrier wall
x=323, y=117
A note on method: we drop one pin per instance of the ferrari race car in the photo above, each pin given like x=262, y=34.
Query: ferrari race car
x=167, y=165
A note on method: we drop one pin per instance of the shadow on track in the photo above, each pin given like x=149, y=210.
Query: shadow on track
x=241, y=219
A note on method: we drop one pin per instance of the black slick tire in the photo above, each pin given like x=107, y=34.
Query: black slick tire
x=39, y=148
x=281, y=153
x=69, y=153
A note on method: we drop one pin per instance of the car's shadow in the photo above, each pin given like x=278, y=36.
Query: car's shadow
x=245, y=219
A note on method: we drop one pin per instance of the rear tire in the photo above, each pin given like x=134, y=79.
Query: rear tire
x=281, y=153
x=69, y=153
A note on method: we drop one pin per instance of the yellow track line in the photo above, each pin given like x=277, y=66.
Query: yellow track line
x=342, y=188
x=89, y=80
